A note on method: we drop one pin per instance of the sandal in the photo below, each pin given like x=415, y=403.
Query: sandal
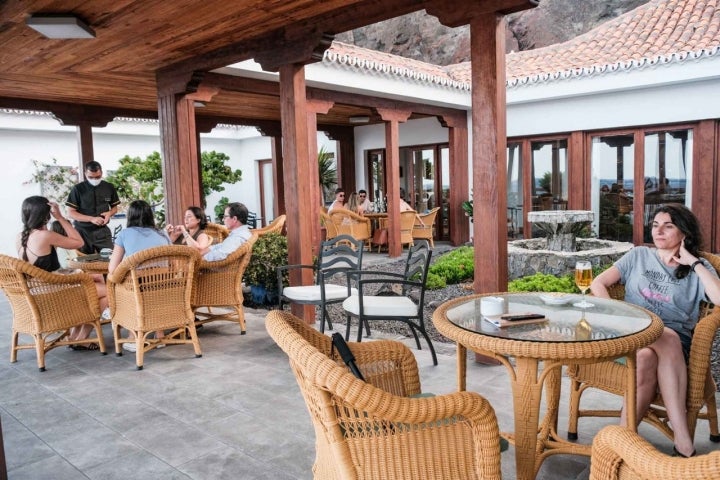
x=89, y=346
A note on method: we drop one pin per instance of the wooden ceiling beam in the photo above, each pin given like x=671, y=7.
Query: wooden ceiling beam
x=73, y=114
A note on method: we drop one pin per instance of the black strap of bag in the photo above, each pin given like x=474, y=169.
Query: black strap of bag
x=347, y=356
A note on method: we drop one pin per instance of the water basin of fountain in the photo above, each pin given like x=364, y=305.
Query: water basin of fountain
x=561, y=226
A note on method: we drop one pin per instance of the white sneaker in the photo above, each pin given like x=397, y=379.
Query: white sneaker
x=160, y=345
x=130, y=347
x=106, y=314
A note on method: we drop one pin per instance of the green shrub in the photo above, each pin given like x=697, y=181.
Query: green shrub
x=435, y=282
x=269, y=252
x=456, y=266
x=544, y=282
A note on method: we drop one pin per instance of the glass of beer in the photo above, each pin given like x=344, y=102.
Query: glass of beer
x=583, y=279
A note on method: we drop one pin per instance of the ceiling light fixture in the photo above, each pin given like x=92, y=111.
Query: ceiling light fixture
x=359, y=119
x=64, y=26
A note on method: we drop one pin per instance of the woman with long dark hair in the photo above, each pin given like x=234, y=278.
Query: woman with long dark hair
x=139, y=234
x=670, y=280
x=37, y=245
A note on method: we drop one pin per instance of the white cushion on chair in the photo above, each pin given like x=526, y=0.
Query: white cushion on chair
x=381, y=306
x=311, y=293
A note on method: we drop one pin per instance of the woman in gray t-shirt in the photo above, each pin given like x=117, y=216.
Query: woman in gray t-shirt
x=670, y=280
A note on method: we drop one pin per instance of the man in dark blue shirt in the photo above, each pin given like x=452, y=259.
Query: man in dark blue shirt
x=92, y=204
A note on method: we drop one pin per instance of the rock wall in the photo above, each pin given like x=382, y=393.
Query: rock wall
x=422, y=37
x=527, y=257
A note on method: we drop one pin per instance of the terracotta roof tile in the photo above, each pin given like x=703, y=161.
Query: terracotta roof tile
x=660, y=30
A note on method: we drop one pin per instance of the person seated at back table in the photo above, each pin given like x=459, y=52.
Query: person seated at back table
x=339, y=200
x=235, y=219
x=37, y=246
x=670, y=280
x=192, y=233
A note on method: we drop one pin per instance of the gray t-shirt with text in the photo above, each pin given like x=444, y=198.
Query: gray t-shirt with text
x=650, y=284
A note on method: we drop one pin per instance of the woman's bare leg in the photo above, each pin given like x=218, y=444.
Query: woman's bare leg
x=647, y=382
x=672, y=381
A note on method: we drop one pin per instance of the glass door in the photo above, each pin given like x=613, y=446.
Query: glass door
x=612, y=186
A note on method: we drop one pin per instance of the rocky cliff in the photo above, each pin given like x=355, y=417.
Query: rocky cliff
x=422, y=37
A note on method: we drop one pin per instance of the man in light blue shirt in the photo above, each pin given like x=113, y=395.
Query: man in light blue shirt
x=235, y=219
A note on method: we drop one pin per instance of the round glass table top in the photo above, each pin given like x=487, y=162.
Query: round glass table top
x=607, y=319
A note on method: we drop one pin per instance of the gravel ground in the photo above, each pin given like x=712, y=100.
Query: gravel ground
x=434, y=298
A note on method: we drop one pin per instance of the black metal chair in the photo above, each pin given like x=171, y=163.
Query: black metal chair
x=393, y=296
x=337, y=257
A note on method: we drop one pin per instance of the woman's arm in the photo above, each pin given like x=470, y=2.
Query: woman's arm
x=116, y=257
x=203, y=241
x=709, y=281
x=599, y=286
x=72, y=239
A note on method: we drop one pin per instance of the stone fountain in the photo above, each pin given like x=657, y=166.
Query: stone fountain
x=561, y=249
x=561, y=227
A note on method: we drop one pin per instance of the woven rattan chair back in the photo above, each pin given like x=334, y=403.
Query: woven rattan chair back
x=217, y=232
x=352, y=224
x=276, y=226
x=362, y=426
x=610, y=377
x=151, y=291
x=407, y=222
x=424, y=226
x=219, y=284
x=46, y=305
x=618, y=453
x=330, y=230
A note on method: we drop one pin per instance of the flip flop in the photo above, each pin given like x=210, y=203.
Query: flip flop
x=89, y=346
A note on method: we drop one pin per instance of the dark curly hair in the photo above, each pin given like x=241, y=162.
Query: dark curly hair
x=688, y=224
x=35, y=214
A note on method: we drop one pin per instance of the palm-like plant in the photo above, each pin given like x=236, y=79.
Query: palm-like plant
x=327, y=171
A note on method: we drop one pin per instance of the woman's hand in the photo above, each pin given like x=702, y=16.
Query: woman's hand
x=683, y=257
x=55, y=210
x=169, y=229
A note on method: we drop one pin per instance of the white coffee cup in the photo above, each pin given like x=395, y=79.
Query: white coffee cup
x=492, y=306
x=105, y=253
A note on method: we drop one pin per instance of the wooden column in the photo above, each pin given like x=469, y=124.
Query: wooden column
x=296, y=169
x=487, y=51
x=458, y=181
x=86, y=153
x=315, y=107
x=705, y=182
x=392, y=119
x=181, y=175
x=278, y=176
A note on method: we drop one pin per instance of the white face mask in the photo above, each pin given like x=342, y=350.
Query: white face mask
x=94, y=181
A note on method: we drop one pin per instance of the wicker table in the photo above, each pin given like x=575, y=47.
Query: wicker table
x=617, y=329
x=96, y=265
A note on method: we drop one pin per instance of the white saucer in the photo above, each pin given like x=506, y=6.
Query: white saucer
x=555, y=298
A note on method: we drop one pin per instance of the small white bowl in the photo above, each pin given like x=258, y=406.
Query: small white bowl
x=555, y=298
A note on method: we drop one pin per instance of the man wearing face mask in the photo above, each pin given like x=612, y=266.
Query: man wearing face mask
x=91, y=204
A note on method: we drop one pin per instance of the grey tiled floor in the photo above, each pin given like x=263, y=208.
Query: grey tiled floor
x=235, y=413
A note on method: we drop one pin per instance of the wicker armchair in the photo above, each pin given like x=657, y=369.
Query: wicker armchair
x=217, y=232
x=219, y=284
x=46, y=305
x=151, y=291
x=618, y=453
x=423, y=226
x=610, y=377
x=372, y=430
x=330, y=230
x=407, y=225
x=276, y=226
x=350, y=223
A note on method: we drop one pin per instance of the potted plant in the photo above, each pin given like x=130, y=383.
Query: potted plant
x=269, y=252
